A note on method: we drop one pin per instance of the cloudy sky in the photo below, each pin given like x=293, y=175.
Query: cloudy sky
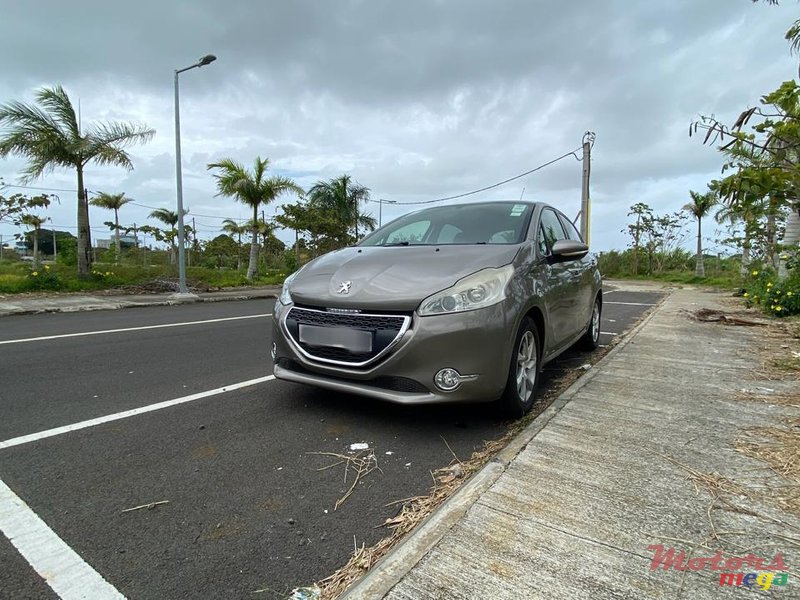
x=415, y=99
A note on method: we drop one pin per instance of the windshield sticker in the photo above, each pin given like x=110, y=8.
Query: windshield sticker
x=517, y=210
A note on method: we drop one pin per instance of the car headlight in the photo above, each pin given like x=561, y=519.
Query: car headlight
x=285, y=297
x=479, y=290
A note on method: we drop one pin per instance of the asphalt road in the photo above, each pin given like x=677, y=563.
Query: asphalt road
x=248, y=508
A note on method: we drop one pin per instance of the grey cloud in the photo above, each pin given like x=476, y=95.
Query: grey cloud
x=415, y=99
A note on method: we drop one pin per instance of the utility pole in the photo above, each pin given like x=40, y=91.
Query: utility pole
x=55, y=248
x=588, y=142
x=381, y=202
x=1, y=246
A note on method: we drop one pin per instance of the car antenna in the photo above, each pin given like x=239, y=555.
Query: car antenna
x=522, y=194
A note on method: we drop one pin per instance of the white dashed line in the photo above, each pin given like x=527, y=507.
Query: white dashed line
x=60, y=566
x=106, y=331
x=33, y=437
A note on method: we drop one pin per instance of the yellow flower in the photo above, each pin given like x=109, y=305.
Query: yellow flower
x=769, y=284
x=755, y=273
x=778, y=308
x=746, y=295
x=47, y=267
x=789, y=294
x=778, y=292
x=35, y=273
x=107, y=273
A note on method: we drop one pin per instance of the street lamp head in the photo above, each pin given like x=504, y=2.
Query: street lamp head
x=206, y=60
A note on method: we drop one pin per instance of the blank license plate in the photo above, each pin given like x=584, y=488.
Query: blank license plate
x=354, y=340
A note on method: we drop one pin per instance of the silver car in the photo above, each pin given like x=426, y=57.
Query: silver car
x=454, y=303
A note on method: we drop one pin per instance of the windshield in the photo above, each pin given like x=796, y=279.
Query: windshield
x=480, y=223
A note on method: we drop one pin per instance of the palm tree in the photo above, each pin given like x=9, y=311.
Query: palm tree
x=231, y=227
x=699, y=207
x=341, y=197
x=169, y=218
x=112, y=202
x=36, y=222
x=49, y=135
x=252, y=188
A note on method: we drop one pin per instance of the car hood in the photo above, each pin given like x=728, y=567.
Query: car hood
x=391, y=278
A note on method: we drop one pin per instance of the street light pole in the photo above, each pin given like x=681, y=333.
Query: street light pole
x=183, y=292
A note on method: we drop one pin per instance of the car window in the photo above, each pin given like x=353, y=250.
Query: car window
x=551, y=228
x=471, y=223
x=413, y=233
x=572, y=233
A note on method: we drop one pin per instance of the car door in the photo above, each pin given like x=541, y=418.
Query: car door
x=560, y=286
x=582, y=270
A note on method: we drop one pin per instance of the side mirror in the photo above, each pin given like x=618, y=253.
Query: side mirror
x=569, y=250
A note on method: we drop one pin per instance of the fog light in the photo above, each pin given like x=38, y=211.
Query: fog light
x=447, y=379
x=274, y=351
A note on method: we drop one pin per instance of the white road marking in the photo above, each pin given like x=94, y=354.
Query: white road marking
x=105, y=331
x=630, y=303
x=59, y=565
x=33, y=437
x=608, y=333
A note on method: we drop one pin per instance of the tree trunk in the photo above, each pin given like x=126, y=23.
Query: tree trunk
x=36, y=248
x=771, y=210
x=116, y=234
x=745, y=266
x=84, y=239
x=791, y=238
x=239, y=252
x=700, y=270
x=251, y=268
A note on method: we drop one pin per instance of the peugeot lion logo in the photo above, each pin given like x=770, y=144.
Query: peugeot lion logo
x=344, y=287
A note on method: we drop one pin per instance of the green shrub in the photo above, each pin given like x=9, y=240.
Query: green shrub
x=779, y=298
x=43, y=278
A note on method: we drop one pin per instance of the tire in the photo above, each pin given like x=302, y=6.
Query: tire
x=591, y=338
x=523, y=372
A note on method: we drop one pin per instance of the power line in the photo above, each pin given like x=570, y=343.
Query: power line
x=489, y=187
x=573, y=153
x=33, y=187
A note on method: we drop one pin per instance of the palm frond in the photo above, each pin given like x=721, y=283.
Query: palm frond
x=108, y=155
x=58, y=104
x=166, y=216
x=110, y=201
x=119, y=134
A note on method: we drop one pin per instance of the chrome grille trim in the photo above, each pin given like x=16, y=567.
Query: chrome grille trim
x=406, y=323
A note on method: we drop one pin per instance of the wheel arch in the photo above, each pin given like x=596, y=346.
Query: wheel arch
x=536, y=315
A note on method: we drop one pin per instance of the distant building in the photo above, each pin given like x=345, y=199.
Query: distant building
x=126, y=241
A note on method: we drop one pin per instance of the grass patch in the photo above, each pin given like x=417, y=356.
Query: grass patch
x=724, y=281
x=20, y=278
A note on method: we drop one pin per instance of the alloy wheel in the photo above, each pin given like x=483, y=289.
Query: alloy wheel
x=526, y=366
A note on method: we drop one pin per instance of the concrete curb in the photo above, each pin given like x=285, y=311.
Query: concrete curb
x=391, y=569
x=91, y=303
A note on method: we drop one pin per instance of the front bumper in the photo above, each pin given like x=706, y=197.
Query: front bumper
x=474, y=343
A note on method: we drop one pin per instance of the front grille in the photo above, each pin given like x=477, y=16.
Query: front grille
x=384, y=330
x=395, y=384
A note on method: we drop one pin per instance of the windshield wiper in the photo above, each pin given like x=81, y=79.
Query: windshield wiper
x=396, y=244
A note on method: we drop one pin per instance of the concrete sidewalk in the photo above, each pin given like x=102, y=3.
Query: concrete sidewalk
x=18, y=305
x=615, y=465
